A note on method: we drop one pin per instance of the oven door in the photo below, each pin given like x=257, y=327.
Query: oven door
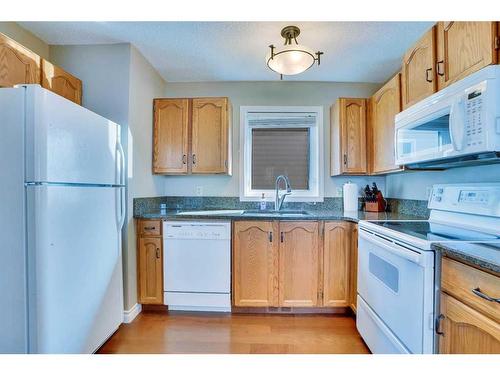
x=396, y=282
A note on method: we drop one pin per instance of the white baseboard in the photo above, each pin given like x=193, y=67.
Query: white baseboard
x=130, y=315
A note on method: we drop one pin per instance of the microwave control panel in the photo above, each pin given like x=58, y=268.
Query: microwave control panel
x=474, y=118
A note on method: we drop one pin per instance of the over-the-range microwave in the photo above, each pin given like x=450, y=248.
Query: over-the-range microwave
x=457, y=126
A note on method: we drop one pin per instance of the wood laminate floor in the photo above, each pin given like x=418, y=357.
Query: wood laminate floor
x=154, y=332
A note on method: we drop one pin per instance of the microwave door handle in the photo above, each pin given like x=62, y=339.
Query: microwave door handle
x=457, y=125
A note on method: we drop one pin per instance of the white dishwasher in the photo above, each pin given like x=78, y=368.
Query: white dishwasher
x=197, y=265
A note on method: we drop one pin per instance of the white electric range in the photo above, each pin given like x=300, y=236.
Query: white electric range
x=398, y=271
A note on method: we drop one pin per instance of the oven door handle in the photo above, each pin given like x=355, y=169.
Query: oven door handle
x=392, y=247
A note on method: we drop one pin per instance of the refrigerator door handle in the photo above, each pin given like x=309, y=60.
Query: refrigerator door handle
x=122, y=207
x=121, y=166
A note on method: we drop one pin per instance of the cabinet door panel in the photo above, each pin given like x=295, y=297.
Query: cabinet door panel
x=336, y=264
x=466, y=331
x=150, y=270
x=464, y=48
x=210, y=135
x=385, y=104
x=298, y=264
x=353, y=290
x=170, y=146
x=61, y=82
x=353, y=125
x=17, y=64
x=255, y=264
x=418, y=70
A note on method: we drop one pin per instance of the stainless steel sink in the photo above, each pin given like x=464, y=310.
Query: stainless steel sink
x=289, y=213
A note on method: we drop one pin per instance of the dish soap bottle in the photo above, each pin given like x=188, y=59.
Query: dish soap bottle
x=263, y=203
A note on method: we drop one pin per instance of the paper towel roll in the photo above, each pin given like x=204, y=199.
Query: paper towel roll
x=350, y=192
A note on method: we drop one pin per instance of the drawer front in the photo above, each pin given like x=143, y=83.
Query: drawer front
x=459, y=280
x=149, y=228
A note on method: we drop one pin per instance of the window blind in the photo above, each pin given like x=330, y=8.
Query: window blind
x=277, y=151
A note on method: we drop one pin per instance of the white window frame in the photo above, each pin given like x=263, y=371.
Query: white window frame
x=315, y=193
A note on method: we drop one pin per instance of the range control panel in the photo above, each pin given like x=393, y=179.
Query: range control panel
x=475, y=198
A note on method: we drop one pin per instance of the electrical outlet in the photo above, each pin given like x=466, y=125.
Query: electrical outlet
x=199, y=191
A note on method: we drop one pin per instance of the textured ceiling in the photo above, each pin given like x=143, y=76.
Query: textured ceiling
x=235, y=51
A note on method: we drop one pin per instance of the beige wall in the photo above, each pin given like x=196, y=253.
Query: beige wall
x=265, y=93
x=144, y=85
x=26, y=38
x=120, y=84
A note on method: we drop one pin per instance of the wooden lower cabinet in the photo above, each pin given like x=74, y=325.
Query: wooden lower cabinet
x=150, y=269
x=294, y=264
x=298, y=264
x=465, y=330
x=353, y=276
x=336, y=264
x=255, y=264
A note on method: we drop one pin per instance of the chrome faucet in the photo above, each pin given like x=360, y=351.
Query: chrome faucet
x=279, y=199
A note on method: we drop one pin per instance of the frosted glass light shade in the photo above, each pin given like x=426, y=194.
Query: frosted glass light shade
x=292, y=59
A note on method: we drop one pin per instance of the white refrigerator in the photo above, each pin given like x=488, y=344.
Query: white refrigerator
x=62, y=207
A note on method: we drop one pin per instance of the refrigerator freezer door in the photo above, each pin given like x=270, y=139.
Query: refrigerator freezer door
x=68, y=143
x=75, y=288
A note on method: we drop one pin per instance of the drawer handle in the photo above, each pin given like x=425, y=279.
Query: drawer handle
x=438, y=325
x=149, y=228
x=478, y=293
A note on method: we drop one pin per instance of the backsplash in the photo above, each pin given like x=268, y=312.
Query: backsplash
x=146, y=205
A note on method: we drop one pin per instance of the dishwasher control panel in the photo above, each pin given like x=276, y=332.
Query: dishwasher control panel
x=197, y=230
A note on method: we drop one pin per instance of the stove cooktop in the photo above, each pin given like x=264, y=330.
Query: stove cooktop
x=435, y=232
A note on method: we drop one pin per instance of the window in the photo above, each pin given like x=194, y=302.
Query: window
x=281, y=140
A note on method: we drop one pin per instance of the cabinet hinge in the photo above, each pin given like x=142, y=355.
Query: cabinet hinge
x=320, y=295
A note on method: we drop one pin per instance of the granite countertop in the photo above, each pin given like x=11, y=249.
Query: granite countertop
x=485, y=256
x=312, y=215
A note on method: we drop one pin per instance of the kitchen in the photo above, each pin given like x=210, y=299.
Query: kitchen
x=246, y=202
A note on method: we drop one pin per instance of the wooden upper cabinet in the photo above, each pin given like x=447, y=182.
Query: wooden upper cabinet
x=170, y=136
x=464, y=48
x=150, y=270
x=336, y=264
x=210, y=136
x=348, y=137
x=192, y=136
x=61, y=82
x=298, y=264
x=465, y=330
x=384, y=105
x=418, y=73
x=255, y=264
x=17, y=64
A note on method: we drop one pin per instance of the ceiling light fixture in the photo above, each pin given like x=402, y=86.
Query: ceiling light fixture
x=294, y=58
